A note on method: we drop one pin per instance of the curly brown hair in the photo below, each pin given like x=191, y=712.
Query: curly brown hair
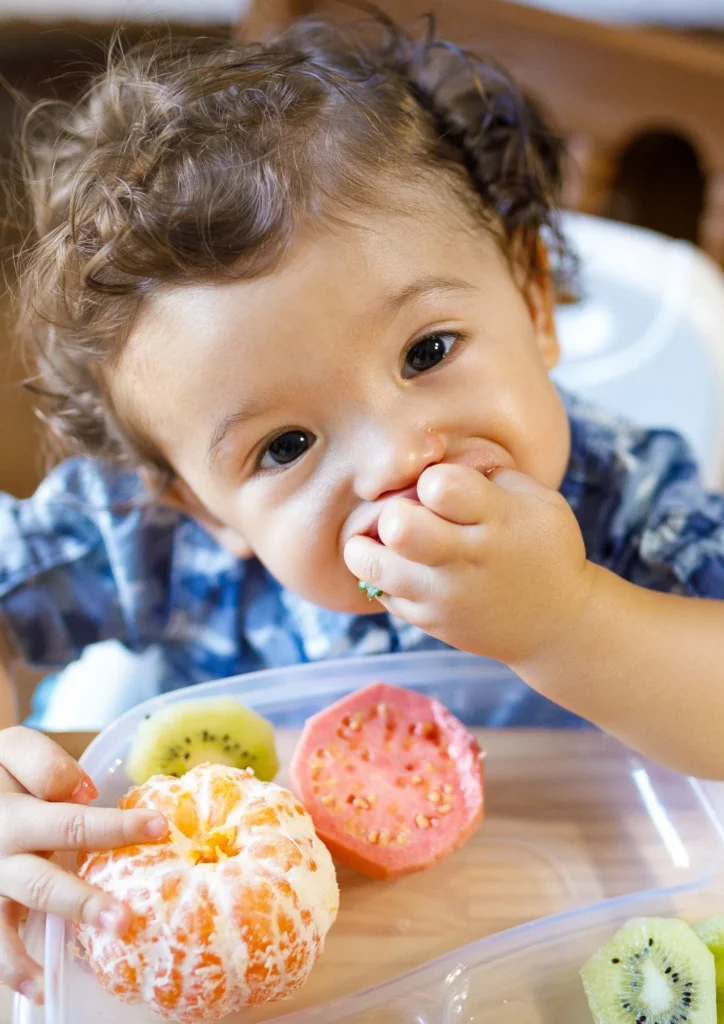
x=200, y=157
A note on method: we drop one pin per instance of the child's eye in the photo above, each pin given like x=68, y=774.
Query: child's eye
x=428, y=352
x=286, y=448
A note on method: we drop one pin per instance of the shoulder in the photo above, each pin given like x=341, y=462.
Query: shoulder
x=642, y=507
x=613, y=454
x=76, y=510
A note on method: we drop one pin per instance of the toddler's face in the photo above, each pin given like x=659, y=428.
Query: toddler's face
x=295, y=404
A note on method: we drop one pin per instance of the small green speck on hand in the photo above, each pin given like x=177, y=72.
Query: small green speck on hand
x=372, y=592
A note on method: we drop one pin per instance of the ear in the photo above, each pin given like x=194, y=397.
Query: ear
x=539, y=295
x=179, y=495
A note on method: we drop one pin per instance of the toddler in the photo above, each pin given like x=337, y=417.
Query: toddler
x=291, y=309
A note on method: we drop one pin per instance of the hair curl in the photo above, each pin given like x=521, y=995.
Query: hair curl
x=199, y=157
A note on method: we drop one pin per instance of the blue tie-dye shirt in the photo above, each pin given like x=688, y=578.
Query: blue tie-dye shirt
x=82, y=561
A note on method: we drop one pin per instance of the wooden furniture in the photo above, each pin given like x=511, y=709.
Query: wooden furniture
x=615, y=92
x=553, y=832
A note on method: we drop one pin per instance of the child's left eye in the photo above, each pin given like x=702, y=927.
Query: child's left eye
x=428, y=352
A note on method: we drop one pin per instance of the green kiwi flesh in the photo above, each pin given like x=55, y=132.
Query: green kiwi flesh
x=711, y=933
x=219, y=730
x=653, y=971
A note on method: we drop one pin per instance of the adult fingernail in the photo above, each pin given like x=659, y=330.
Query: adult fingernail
x=85, y=792
x=114, y=920
x=156, y=828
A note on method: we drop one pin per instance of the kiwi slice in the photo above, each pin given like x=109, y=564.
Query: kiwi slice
x=216, y=729
x=653, y=971
x=711, y=933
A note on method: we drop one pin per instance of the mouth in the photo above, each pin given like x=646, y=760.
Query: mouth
x=371, y=529
x=484, y=458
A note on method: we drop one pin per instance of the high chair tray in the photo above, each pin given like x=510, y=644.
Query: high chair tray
x=579, y=834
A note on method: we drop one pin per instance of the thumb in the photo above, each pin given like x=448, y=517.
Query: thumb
x=519, y=483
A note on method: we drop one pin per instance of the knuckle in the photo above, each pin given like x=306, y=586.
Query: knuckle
x=39, y=888
x=75, y=831
x=373, y=568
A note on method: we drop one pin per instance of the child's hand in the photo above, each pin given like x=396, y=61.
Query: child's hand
x=33, y=769
x=495, y=568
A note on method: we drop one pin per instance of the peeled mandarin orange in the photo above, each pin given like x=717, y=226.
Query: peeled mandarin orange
x=230, y=910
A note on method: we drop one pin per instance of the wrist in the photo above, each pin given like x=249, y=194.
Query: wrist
x=567, y=642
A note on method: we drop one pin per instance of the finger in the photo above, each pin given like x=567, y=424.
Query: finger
x=67, y=827
x=8, y=784
x=456, y=493
x=42, y=885
x=42, y=767
x=385, y=569
x=422, y=614
x=17, y=969
x=419, y=535
x=519, y=483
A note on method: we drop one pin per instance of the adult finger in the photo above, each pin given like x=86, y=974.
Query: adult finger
x=419, y=535
x=29, y=826
x=42, y=767
x=42, y=885
x=385, y=569
x=17, y=970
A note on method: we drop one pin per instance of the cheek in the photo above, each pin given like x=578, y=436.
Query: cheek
x=542, y=434
x=526, y=413
x=298, y=542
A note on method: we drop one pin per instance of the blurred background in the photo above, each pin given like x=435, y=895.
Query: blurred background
x=637, y=86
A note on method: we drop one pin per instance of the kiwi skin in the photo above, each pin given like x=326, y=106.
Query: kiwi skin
x=216, y=730
x=653, y=971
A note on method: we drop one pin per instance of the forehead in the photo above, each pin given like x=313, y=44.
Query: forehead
x=209, y=343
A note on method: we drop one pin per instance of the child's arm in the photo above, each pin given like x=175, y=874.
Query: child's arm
x=645, y=666
x=499, y=568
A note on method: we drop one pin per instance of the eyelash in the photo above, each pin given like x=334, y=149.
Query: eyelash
x=456, y=336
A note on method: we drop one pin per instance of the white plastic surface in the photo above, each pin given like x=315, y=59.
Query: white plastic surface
x=664, y=828
x=647, y=339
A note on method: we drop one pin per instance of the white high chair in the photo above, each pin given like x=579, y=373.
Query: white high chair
x=647, y=339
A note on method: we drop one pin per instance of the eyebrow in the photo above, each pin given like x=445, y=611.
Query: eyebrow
x=421, y=289
x=391, y=304
x=224, y=427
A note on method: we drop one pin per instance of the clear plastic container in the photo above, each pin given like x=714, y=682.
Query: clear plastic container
x=574, y=842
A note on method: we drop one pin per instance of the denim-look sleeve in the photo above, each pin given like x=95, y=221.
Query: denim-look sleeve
x=642, y=508
x=82, y=561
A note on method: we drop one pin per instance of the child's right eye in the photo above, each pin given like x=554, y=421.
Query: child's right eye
x=286, y=448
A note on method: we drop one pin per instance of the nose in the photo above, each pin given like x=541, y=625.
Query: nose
x=395, y=459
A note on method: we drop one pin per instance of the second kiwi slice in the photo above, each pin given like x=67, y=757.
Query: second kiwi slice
x=711, y=933
x=653, y=971
x=219, y=730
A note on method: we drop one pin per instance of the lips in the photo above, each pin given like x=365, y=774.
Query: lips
x=482, y=457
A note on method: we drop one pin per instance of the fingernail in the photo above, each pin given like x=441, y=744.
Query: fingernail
x=114, y=920
x=156, y=828
x=32, y=990
x=85, y=792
